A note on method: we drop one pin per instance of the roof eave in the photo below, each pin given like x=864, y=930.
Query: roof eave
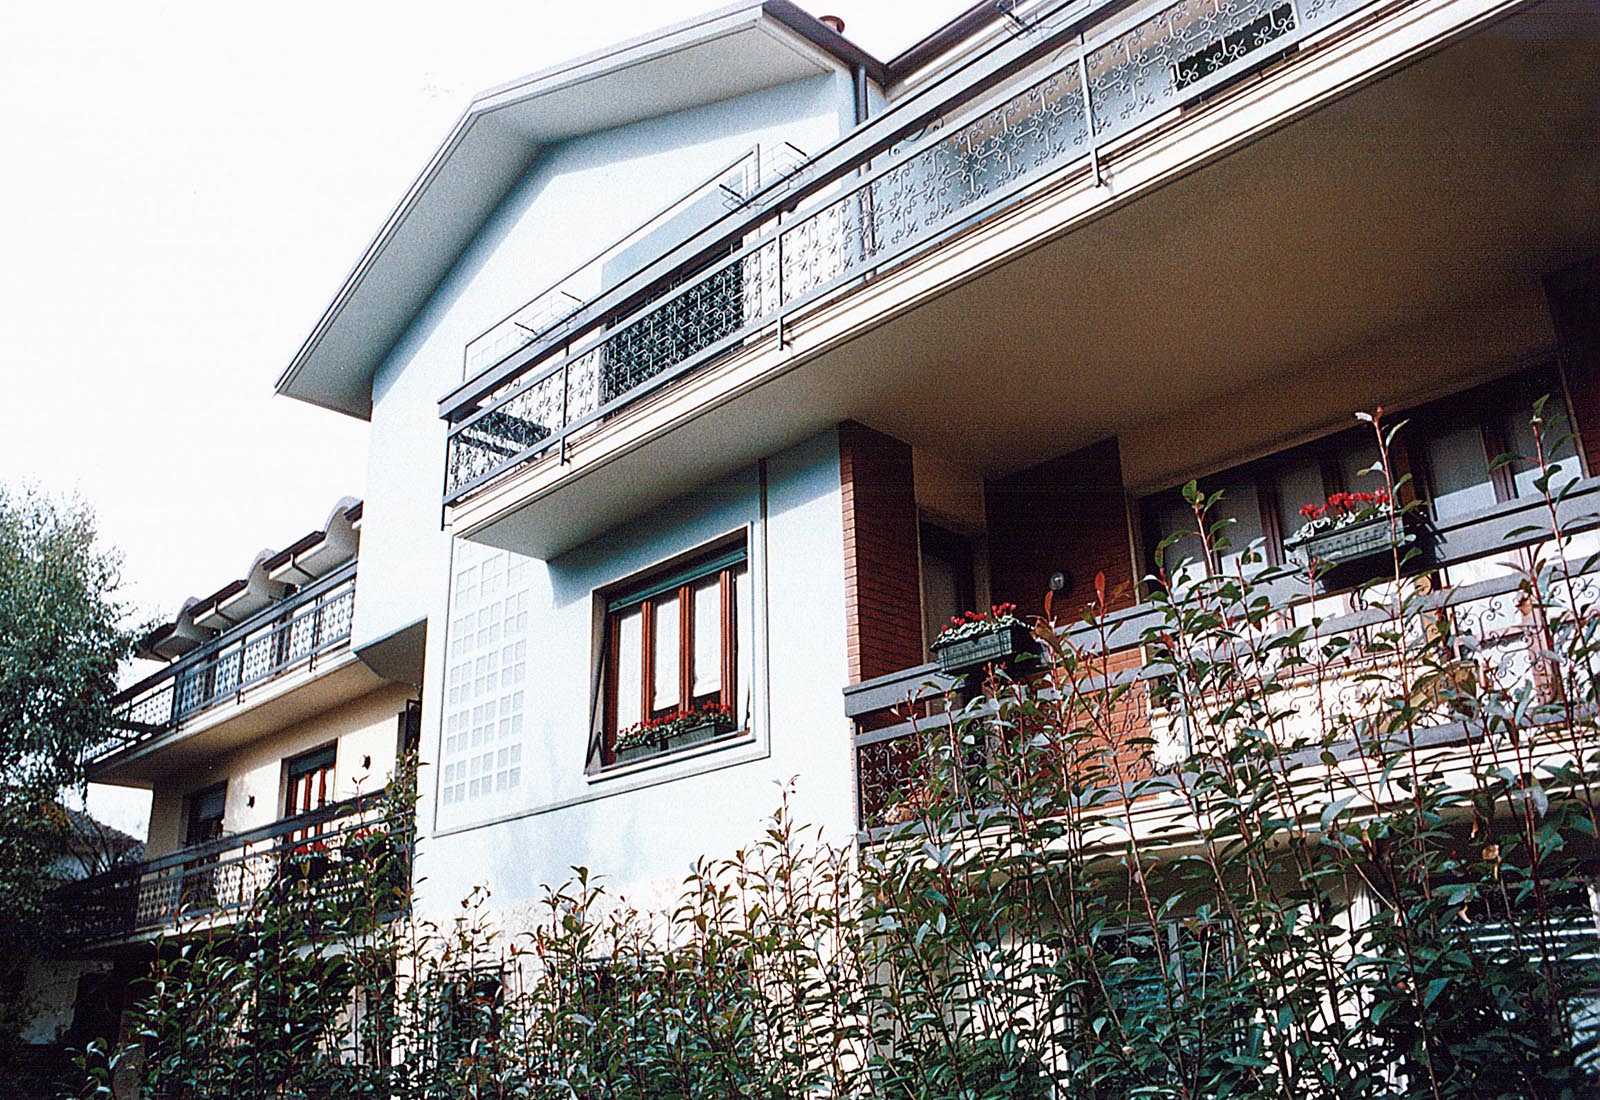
x=350, y=393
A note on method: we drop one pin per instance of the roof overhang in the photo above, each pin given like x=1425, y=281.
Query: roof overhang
x=736, y=50
x=271, y=574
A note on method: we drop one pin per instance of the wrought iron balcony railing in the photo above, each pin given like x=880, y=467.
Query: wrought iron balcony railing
x=1032, y=111
x=290, y=634
x=346, y=857
x=1488, y=617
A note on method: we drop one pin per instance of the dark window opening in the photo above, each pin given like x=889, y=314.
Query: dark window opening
x=1448, y=447
x=310, y=784
x=205, y=815
x=948, y=586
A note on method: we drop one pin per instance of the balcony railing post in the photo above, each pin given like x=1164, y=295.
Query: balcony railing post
x=1088, y=108
x=316, y=633
x=566, y=388
x=180, y=690
x=778, y=239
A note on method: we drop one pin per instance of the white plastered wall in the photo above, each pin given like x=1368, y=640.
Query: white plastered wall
x=367, y=733
x=641, y=828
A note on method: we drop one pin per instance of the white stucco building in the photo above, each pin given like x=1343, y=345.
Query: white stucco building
x=742, y=359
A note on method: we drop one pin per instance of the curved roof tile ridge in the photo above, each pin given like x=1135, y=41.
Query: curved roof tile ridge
x=272, y=574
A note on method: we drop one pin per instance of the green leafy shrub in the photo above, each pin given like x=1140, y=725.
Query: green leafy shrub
x=1267, y=859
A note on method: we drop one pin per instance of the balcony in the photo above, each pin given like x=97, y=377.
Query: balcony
x=1007, y=220
x=985, y=145
x=1482, y=596
x=290, y=636
x=332, y=861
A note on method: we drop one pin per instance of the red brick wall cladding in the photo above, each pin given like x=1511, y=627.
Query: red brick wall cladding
x=882, y=589
x=1129, y=722
x=1069, y=513
x=1119, y=731
x=1574, y=297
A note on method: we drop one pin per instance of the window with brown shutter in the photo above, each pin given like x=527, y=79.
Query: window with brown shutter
x=673, y=659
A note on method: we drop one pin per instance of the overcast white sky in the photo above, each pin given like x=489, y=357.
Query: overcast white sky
x=188, y=183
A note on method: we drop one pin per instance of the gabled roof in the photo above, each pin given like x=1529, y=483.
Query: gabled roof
x=749, y=46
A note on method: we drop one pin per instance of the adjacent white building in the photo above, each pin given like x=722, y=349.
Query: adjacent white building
x=553, y=190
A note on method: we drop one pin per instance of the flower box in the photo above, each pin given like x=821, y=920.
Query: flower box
x=1351, y=534
x=1003, y=642
x=670, y=734
x=1354, y=543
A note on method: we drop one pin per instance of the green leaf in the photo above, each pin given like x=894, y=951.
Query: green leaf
x=1332, y=811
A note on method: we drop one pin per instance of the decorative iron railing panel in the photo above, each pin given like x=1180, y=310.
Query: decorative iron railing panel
x=329, y=861
x=289, y=635
x=549, y=315
x=1105, y=77
x=1483, y=599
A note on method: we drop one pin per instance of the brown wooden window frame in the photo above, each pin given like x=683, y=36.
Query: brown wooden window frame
x=726, y=561
x=317, y=769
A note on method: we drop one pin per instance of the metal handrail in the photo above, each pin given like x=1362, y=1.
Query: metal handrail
x=219, y=878
x=1509, y=527
x=1095, y=73
x=1504, y=527
x=275, y=610
x=285, y=635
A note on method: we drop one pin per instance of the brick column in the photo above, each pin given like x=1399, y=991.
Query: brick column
x=1068, y=514
x=882, y=583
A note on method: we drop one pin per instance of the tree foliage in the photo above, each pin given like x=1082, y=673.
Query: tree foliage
x=61, y=641
x=1268, y=858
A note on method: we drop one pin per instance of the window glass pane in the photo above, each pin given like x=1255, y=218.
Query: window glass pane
x=1240, y=505
x=1355, y=465
x=1458, y=473
x=1563, y=462
x=665, y=691
x=707, y=637
x=941, y=594
x=210, y=803
x=1184, y=559
x=630, y=665
x=1297, y=486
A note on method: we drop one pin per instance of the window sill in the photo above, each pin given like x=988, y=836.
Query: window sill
x=730, y=740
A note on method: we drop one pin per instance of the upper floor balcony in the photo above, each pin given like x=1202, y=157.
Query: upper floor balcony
x=1112, y=192
x=276, y=645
